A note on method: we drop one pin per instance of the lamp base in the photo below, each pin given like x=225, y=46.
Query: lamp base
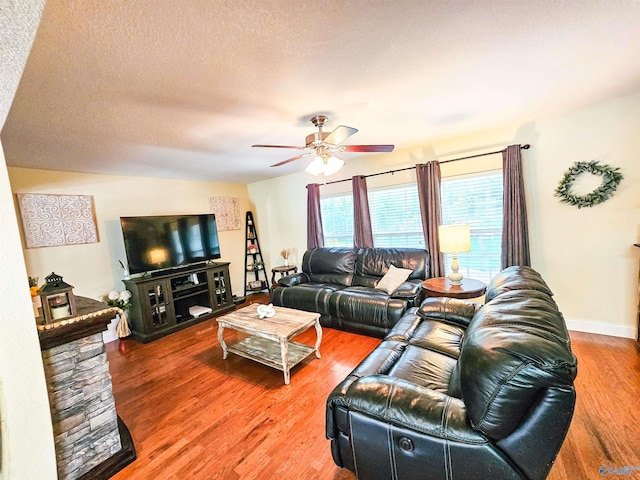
x=454, y=277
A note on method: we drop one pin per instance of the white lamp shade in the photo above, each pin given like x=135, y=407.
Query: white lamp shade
x=454, y=238
x=324, y=165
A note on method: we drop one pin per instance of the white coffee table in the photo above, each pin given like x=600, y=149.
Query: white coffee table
x=270, y=342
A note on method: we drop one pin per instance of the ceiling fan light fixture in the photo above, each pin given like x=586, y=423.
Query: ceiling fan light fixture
x=324, y=165
x=321, y=143
x=316, y=166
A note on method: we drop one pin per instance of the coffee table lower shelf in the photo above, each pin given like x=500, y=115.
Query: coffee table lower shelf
x=269, y=353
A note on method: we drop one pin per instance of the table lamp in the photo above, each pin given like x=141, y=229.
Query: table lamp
x=454, y=239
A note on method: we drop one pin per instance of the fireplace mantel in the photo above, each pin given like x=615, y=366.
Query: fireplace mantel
x=93, y=317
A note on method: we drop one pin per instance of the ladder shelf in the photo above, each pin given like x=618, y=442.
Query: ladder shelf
x=255, y=275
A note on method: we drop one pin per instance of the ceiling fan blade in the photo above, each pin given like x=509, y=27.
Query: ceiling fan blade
x=340, y=134
x=279, y=146
x=368, y=148
x=289, y=160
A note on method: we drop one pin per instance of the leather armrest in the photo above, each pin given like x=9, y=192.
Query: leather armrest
x=399, y=402
x=292, y=280
x=408, y=290
x=450, y=310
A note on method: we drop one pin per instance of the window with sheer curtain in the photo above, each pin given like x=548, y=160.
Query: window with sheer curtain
x=395, y=219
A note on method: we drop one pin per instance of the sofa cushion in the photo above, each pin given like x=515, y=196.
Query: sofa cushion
x=450, y=310
x=369, y=306
x=442, y=338
x=406, y=326
x=373, y=263
x=393, y=279
x=410, y=290
x=431, y=334
x=293, y=280
x=424, y=367
x=515, y=348
x=311, y=297
x=515, y=278
x=330, y=265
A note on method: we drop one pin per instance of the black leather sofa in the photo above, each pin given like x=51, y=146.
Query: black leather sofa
x=339, y=283
x=461, y=391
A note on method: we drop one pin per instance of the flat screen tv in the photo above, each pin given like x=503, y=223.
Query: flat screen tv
x=169, y=241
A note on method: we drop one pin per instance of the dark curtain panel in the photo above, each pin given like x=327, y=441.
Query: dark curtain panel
x=362, y=234
x=315, y=235
x=515, y=233
x=428, y=179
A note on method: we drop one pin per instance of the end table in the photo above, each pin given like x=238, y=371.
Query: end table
x=284, y=271
x=441, y=287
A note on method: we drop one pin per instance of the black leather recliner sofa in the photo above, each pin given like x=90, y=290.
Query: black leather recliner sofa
x=339, y=283
x=461, y=391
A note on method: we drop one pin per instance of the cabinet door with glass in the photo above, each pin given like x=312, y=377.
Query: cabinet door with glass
x=158, y=309
x=221, y=287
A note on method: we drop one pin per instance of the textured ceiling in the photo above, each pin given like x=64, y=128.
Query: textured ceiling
x=18, y=25
x=183, y=89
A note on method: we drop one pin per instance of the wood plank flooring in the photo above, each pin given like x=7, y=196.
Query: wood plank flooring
x=605, y=430
x=195, y=416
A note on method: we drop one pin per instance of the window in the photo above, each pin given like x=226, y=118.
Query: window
x=477, y=200
x=337, y=220
x=391, y=229
x=396, y=221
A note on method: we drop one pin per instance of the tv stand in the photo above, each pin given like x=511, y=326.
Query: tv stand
x=167, y=301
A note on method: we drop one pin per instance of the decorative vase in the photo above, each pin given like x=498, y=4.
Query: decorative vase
x=286, y=262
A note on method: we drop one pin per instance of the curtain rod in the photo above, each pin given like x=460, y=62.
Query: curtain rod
x=523, y=147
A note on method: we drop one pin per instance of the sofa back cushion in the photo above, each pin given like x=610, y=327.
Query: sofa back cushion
x=330, y=265
x=516, y=278
x=373, y=263
x=515, y=349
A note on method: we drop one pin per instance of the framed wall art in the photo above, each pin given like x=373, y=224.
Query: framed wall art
x=227, y=212
x=53, y=220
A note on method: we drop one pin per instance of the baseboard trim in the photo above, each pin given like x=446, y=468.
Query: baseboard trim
x=588, y=326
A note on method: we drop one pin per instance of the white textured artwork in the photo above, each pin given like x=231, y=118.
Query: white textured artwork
x=53, y=220
x=227, y=212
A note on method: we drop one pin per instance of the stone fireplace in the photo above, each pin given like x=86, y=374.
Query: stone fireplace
x=90, y=440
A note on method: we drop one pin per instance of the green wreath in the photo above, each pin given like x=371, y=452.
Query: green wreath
x=611, y=178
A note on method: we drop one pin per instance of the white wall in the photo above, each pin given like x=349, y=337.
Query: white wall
x=586, y=255
x=25, y=421
x=27, y=433
x=93, y=268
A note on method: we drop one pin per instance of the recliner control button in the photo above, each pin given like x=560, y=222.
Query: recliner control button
x=406, y=444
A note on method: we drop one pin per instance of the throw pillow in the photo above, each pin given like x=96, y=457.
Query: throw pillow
x=393, y=279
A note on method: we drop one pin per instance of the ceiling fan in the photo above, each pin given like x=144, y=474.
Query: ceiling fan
x=324, y=145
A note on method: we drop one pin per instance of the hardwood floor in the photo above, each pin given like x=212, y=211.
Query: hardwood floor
x=605, y=430
x=195, y=416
